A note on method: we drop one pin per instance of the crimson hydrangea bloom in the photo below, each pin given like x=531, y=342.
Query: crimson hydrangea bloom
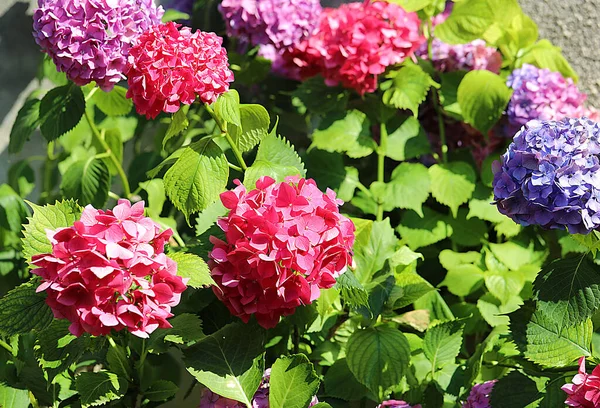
x=542, y=94
x=89, y=40
x=168, y=67
x=109, y=271
x=550, y=175
x=284, y=242
x=584, y=391
x=356, y=42
x=479, y=397
x=397, y=404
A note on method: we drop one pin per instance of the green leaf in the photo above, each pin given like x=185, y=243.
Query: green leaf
x=87, y=181
x=352, y=291
x=179, y=123
x=483, y=97
x=113, y=139
x=161, y=390
x=408, y=188
x=409, y=288
x=485, y=210
x=174, y=15
x=193, y=267
x=156, y=196
x=13, y=397
x=504, y=284
x=452, y=184
x=568, y=290
x=371, y=254
x=467, y=232
x=545, y=55
x=406, y=139
x=515, y=256
x=28, y=119
x=187, y=328
x=462, y=280
x=227, y=107
x=450, y=81
x=61, y=109
x=467, y=22
x=406, y=88
x=450, y=259
x=413, y=5
x=494, y=312
x=340, y=383
x=293, y=382
x=328, y=170
x=197, y=177
x=21, y=177
x=255, y=127
x=420, y=232
x=515, y=390
x=113, y=103
x=320, y=98
x=13, y=211
x=23, y=310
x=229, y=361
x=378, y=357
x=276, y=158
x=442, y=343
x=436, y=305
x=347, y=132
x=118, y=362
x=99, y=388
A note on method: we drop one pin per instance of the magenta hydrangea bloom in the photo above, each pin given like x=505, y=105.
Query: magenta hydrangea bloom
x=468, y=57
x=542, y=94
x=283, y=243
x=89, y=40
x=211, y=400
x=479, y=397
x=584, y=390
x=397, y=404
x=109, y=272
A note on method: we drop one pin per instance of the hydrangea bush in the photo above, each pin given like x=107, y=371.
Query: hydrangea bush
x=285, y=204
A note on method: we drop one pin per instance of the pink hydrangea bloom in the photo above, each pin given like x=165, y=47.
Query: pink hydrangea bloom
x=284, y=242
x=356, y=42
x=397, y=404
x=592, y=113
x=479, y=397
x=584, y=391
x=168, y=67
x=109, y=271
x=89, y=40
x=468, y=57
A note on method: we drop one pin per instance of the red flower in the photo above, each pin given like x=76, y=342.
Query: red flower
x=584, y=392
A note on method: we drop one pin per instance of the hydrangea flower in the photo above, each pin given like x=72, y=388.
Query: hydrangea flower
x=168, y=67
x=284, y=242
x=397, y=404
x=356, y=42
x=542, y=94
x=479, y=397
x=89, y=40
x=109, y=271
x=550, y=175
x=468, y=57
x=584, y=391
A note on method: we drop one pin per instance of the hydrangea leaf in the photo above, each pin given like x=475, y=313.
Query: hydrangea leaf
x=118, y=361
x=371, y=253
x=546, y=55
x=113, y=103
x=408, y=187
x=99, y=388
x=179, y=123
x=61, y=109
x=515, y=255
x=316, y=96
x=351, y=290
x=254, y=127
x=50, y=217
x=413, y=5
x=450, y=259
x=347, y=132
x=174, y=15
x=229, y=362
x=504, y=284
x=26, y=123
x=462, y=280
x=340, y=383
x=87, y=181
x=197, y=177
x=406, y=88
x=452, y=184
x=483, y=97
x=420, y=232
x=23, y=310
x=467, y=22
x=378, y=356
x=193, y=267
x=187, y=328
x=113, y=139
x=436, y=305
x=13, y=211
x=442, y=343
x=227, y=107
x=293, y=382
x=327, y=169
x=485, y=210
x=409, y=288
x=515, y=390
x=161, y=390
x=21, y=177
x=209, y=216
x=467, y=232
x=406, y=139
x=450, y=81
x=13, y=397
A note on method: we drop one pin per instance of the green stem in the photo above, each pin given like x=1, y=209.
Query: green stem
x=98, y=137
x=234, y=167
x=234, y=148
x=430, y=39
x=381, y=166
x=441, y=125
x=114, y=196
x=6, y=346
x=364, y=189
x=92, y=92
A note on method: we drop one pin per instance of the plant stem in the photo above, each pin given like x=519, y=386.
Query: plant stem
x=223, y=127
x=381, y=166
x=430, y=39
x=6, y=346
x=234, y=167
x=442, y=127
x=100, y=139
x=296, y=340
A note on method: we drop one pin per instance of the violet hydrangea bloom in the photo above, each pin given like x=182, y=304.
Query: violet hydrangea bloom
x=542, y=94
x=211, y=400
x=109, y=271
x=479, y=397
x=89, y=40
x=397, y=404
x=584, y=391
x=550, y=175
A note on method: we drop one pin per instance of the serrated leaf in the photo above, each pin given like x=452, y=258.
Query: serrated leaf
x=113, y=139
x=420, y=232
x=99, y=388
x=408, y=187
x=197, y=177
x=413, y=5
x=462, y=280
x=409, y=288
x=467, y=232
x=494, y=312
x=12, y=209
x=347, y=132
x=351, y=290
x=442, y=343
x=406, y=139
x=27, y=121
x=114, y=102
x=293, y=382
x=21, y=177
x=514, y=390
x=61, y=109
x=450, y=259
x=452, y=184
x=87, y=181
x=193, y=267
x=156, y=196
x=370, y=254
x=209, y=216
x=504, y=284
x=161, y=390
x=483, y=97
x=448, y=93
x=13, y=397
x=378, y=357
x=118, y=362
x=436, y=305
x=339, y=382
x=318, y=97
x=174, y=15
x=515, y=256
x=254, y=127
x=229, y=361
x=328, y=170
x=545, y=55
x=468, y=21
x=227, y=107
x=179, y=123
x=187, y=328
x=406, y=88
x=23, y=310
x=485, y=210
x=275, y=158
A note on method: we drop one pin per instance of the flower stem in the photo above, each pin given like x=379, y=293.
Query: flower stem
x=381, y=166
x=100, y=139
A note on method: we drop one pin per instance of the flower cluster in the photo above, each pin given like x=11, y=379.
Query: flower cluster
x=109, y=271
x=542, y=94
x=89, y=40
x=284, y=242
x=468, y=57
x=479, y=397
x=168, y=66
x=550, y=175
x=584, y=391
x=355, y=43
x=397, y=404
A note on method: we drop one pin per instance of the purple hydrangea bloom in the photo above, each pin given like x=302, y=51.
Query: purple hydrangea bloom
x=550, y=175
x=479, y=397
x=280, y=23
x=89, y=39
x=211, y=400
x=468, y=57
x=542, y=94
x=397, y=404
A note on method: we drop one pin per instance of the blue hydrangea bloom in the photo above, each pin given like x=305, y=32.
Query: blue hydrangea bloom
x=550, y=175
